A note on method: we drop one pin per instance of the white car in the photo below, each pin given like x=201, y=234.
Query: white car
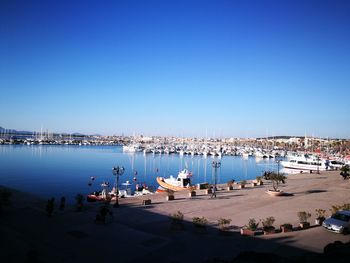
x=338, y=222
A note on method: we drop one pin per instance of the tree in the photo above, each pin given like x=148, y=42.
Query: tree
x=344, y=171
x=277, y=179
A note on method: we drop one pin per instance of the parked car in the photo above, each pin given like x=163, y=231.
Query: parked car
x=338, y=222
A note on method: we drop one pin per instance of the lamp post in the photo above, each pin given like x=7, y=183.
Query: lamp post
x=117, y=171
x=215, y=165
x=318, y=164
x=278, y=166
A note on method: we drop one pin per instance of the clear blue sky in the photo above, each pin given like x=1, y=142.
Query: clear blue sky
x=183, y=68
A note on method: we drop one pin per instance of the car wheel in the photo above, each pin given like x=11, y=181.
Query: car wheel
x=345, y=231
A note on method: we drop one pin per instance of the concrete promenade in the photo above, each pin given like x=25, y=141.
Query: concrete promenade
x=137, y=232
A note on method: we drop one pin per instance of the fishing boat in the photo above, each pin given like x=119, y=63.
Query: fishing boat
x=181, y=182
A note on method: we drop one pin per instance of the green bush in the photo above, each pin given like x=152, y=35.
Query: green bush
x=252, y=224
x=200, y=221
x=320, y=213
x=268, y=222
x=176, y=218
x=224, y=223
x=303, y=216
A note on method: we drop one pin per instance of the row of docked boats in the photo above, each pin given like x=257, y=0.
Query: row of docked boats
x=204, y=150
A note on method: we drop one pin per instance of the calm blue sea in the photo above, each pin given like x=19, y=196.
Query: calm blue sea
x=61, y=170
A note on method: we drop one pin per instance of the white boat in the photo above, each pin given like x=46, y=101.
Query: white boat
x=132, y=148
x=181, y=182
x=336, y=164
x=307, y=162
x=245, y=155
x=259, y=154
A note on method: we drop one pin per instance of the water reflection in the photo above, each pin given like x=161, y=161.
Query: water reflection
x=65, y=170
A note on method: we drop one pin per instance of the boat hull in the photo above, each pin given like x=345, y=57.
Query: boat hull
x=160, y=181
x=304, y=167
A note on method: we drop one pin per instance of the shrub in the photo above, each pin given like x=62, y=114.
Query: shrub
x=336, y=208
x=320, y=213
x=345, y=170
x=268, y=222
x=224, y=223
x=287, y=225
x=200, y=221
x=252, y=224
x=176, y=218
x=346, y=207
x=303, y=216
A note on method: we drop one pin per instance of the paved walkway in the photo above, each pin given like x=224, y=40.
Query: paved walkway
x=139, y=232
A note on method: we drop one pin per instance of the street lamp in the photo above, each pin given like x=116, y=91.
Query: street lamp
x=117, y=171
x=215, y=165
x=318, y=164
x=278, y=165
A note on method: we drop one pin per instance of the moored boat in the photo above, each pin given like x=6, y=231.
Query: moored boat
x=181, y=182
x=307, y=162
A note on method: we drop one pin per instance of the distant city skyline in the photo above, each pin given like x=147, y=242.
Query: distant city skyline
x=176, y=68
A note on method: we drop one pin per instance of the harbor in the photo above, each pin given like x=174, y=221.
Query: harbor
x=70, y=168
x=65, y=170
x=175, y=131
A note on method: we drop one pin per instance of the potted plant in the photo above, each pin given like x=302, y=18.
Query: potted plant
x=209, y=189
x=191, y=191
x=224, y=224
x=320, y=216
x=230, y=185
x=176, y=220
x=287, y=227
x=268, y=227
x=259, y=180
x=344, y=171
x=250, y=229
x=336, y=208
x=200, y=223
x=276, y=179
x=170, y=195
x=146, y=201
x=242, y=184
x=303, y=219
